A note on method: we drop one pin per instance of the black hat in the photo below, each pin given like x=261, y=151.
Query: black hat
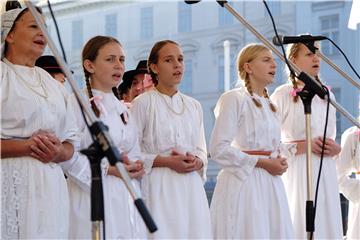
x=49, y=64
x=140, y=68
x=124, y=87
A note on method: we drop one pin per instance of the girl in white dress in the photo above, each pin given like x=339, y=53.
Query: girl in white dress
x=37, y=133
x=347, y=163
x=103, y=63
x=249, y=200
x=173, y=143
x=328, y=223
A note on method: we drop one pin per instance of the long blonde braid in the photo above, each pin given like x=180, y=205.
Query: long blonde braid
x=249, y=89
x=266, y=95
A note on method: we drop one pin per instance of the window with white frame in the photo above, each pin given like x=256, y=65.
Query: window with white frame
x=111, y=25
x=186, y=82
x=184, y=17
x=221, y=72
x=146, y=23
x=77, y=34
x=329, y=27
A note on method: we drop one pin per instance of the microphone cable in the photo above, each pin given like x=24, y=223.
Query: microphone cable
x=347, y=60
x=326, y=118
x=322, y=153
x=278, y=38
x=57, y=30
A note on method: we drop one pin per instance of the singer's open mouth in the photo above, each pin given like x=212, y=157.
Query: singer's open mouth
x=315, y=66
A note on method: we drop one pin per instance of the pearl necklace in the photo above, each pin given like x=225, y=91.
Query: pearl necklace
x=32, y=87
x=169, y=107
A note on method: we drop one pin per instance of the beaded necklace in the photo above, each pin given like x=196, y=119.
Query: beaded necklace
x=169, y=107
x=32, y=87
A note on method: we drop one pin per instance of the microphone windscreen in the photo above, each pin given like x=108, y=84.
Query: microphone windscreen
x=192, y=1
x=276, y=41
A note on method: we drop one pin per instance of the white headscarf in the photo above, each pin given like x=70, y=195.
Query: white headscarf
x=7, y=22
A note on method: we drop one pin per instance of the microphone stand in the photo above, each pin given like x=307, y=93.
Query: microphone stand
x=312, y=87
x=306, y=96
x=103, y=146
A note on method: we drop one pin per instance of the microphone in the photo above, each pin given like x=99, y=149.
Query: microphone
x=296, y=39
x=192, y=1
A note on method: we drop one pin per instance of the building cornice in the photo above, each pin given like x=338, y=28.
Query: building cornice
x=74, y=7
x=326, y=5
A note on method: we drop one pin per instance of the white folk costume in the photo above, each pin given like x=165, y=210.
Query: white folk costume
x=121, y=217
x=348, y=162
x=328, y=224
x=176, y=201
x=34, y=197
x=248, y=202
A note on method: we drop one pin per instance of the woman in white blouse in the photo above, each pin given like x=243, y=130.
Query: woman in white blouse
x=172, y=140
x=347, y=163
x=249, y=199
x=328, y=223
x=104, y=65
x=37, y=133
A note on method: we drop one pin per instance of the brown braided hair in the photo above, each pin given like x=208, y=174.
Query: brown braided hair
x=116, y=92
x=90, y=52
x=266, y=95
x=291, y=53
x=249, y=89
x=154, y=57
x=246, y=55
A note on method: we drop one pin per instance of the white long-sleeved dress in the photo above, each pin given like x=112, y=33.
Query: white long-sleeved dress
x=121, y=217
x=328, y=224
x=348, y=162
x=177, y=201
x=248, y=202
x=34, y=195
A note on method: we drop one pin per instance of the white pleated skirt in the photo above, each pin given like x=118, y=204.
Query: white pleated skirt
x=178, y=205
x=255, y=208
x=328, y=224
x=122, y=221
x=353, y=231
